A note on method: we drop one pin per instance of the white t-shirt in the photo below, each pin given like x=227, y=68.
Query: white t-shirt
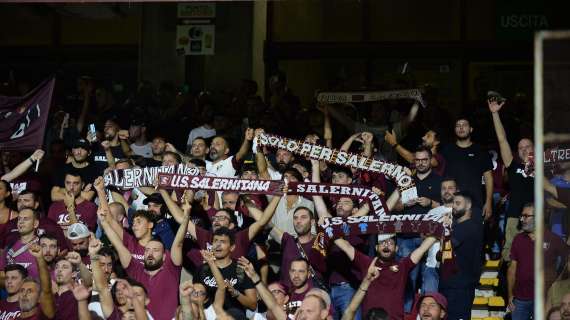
x=144, y=151
x=200, y=131
x=431, y=259
x=223, y=168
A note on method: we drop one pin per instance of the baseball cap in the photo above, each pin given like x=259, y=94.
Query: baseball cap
x=438, y=297
x=385, y=236
x=154, y=198
x=81, y=143
x=138, y=123
x=77, y=231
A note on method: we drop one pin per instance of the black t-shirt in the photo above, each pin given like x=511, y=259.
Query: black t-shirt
x=429, y=187
x=522, y=188
x=467, y=243
x=467, y=166
x=88, y=174
x=234, y=275
x=100, y=159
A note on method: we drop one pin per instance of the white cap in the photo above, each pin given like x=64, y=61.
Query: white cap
x=77, y=231
x=385, y=236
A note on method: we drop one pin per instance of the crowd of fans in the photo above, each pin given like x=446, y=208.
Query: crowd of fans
x=73, y=248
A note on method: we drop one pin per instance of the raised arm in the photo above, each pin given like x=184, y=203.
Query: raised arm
x=320, y=206
x=416, y=255
x=124, y=253
x=99, y=281
x=244, y=149
x=342, y=118
x=186, y=289
x=346, y=247
x=87, y=92
x=176, y=249
x=346, y=145
x=177, y=212
x=47, y=301
x=392, y=140
x=327, y=130
x=358, y=297
x=220, y=295
x=264, y=293
x=124, y=140
x=265, y=218
x=488, y=206
x=84, y=273
x=21, y=168
x=260, y=160
x=506, y=153
x=106, y=145
x=81, y=294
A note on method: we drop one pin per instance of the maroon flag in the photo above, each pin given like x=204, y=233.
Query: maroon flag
x=23, y=119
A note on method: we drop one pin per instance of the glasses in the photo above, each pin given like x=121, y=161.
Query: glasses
x=387, y=243
x=198, y=293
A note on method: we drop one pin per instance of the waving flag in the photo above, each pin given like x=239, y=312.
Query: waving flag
x=23, y=119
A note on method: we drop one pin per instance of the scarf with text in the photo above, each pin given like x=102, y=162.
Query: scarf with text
x=399, y=174
x=143, y=177
x=369, y=96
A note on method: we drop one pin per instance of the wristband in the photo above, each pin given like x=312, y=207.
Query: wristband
x=257, y=282
x=362, y=289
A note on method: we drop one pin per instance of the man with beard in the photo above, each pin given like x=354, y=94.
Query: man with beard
x=17, y=252
x=241, y=293
x=9, y=307
x=161, y=226
x=283, y=159
x=158, y=148
x=65, y=304
x=78, y=236
x=430, y=140
x=428, y=188
x=50, y=250
x=31, y=200
x=468, y=162
x=388, y=290
x=36, y=299
x=138, y=136
x=223, y=218
x=73, y=208
x=111, y=136
x=303, y=220
x=80, y=163
x=458, y=281
x=160, y=271
x=520, y=274
x=300, y=284
x=222, y=164
x=565, y=307
x=520, y=182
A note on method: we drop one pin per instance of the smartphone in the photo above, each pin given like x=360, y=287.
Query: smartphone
x=91, y=131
